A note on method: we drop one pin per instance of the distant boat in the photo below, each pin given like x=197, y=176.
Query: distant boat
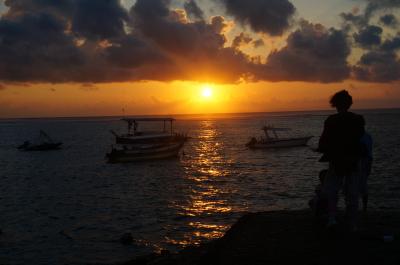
x=134, y=136
x=42, y=143
x=138, y=146
x=272, y=140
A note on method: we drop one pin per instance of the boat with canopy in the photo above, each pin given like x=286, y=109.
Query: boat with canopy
x=135, y=136
x=274, y=140
x=137, y=145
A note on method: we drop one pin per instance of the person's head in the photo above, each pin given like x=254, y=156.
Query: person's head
x=341, y=100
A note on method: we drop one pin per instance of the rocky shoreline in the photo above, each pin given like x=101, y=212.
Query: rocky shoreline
x=294, y=237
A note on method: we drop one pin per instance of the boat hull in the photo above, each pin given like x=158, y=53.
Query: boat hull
x=279, y=143
x=41, y=147
x=139, y=140
x=137, y=154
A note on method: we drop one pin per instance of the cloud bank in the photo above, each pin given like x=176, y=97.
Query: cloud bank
x=313, y=53
x=101, y=41
x=379, y=61
x=271, y=17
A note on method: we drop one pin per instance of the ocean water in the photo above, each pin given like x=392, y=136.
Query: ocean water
x=71, y=207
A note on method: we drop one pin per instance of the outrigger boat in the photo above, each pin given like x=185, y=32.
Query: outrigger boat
x=143, y=146
x=272, y=140
x=134, y=136
x=42, y=143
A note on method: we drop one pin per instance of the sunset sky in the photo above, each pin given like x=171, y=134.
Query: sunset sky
x=100, y=57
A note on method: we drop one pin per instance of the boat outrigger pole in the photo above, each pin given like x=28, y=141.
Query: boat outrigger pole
x=171, y=127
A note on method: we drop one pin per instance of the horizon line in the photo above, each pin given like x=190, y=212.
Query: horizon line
x=185, y=114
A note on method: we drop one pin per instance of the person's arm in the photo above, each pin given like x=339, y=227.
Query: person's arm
x=323, y=140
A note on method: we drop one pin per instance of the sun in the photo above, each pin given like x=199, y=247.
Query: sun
x=207, y=91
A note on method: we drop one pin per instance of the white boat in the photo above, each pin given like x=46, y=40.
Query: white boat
x=272, y=140
x=134, y=136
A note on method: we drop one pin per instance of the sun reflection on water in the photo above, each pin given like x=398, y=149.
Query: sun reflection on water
x=206, y=199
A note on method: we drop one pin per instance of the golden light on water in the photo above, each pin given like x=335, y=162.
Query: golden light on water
x=206, y=197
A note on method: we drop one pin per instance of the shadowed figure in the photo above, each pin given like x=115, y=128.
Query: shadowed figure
x=340, y=144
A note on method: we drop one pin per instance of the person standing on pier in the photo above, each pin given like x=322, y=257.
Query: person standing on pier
x=341, y=147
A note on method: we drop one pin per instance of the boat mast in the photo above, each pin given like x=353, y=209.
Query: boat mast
x=266, y=129
x=274, y=132
x=129, y=127
x=135, y=126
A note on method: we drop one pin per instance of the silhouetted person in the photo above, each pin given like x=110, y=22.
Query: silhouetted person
x=340, y=143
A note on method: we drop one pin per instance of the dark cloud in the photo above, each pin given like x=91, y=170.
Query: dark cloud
x=271, y=17
x=258, y=43
x=376, y=5
x=312, y=53
x=380, y=62
x=22, y=7
x=197, y=40
x=156, y=22
x=389, y=20
x=189, y=43
x=35, y=47
x=150, y=9
x=391, y=44
x=90, y=19
x=353, y=19
x=218, y=24
x=99, y=41
x=101, y=19
x=373, y=7
x=368, y=36
x=378, y=66
x=240, y=40
x=193, y=10
x=131, y=52
x=51, y=41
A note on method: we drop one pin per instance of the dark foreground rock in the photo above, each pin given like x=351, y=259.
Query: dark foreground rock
x=294, y=237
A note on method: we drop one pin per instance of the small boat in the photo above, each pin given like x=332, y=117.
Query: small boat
x=134, y=136
x=272, y=140
x=137, y=153
x=42, y=143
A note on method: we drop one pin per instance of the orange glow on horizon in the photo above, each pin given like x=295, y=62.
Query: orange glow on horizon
x=183, y=97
